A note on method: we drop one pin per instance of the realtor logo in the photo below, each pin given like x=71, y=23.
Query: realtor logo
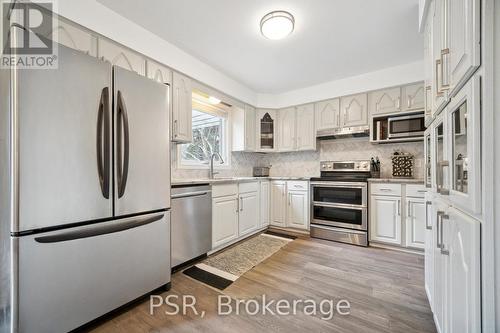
x=28, y=35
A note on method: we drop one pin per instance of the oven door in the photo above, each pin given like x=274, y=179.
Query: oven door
x=406, y=126
x=339, y=216
x=342, y=194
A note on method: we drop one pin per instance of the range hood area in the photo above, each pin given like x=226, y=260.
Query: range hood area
x=344, y=132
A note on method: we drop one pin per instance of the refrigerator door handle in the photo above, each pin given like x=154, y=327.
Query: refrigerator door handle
x=122, y=147
x=98, y=230
x=103, y=142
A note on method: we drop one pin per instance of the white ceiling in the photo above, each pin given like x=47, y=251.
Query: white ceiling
x=333, y=39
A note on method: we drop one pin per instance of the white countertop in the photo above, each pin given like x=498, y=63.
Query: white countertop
x=176, y=182
x=397, y=180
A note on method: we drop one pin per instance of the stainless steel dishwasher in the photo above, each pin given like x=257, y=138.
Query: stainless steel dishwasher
x=191, y=222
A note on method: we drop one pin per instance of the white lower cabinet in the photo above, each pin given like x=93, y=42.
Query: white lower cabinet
x=224, y=220
x=455, y=273
x=235, y=210
x=265, y=199
x=397, y=215
x=248, y=220
x=385, y=219
x=429, y=248
x=290, y=204
x=278, y=203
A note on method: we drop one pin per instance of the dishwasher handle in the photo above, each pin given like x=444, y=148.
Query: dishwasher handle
x=190, y=194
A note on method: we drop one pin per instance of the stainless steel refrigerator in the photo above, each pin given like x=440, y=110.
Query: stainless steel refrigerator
x=85, y=198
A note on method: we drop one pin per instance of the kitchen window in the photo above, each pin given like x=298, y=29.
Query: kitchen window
x=210, y=135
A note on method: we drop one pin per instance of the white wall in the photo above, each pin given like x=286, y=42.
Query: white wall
x=388, y=77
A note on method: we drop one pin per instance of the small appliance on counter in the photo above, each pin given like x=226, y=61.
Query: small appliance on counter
x=261, y=171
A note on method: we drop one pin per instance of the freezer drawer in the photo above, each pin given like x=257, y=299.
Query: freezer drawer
x=66, y=281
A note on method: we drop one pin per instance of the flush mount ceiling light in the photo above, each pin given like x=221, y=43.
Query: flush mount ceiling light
x=277, y=25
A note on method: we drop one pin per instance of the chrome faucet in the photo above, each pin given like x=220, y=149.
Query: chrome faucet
x=212, y=173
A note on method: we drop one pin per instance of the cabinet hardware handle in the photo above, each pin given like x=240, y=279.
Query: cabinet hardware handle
x=439, y=93
x=385, y=190
x=399, y=207
x=443, y=249
x=444, y=86
x=438, y=222
x=427, y=99
x=408, y=206
x=175, y=128
x=398, y=103
x=409, y=101
x=241, y=206
x=427, y=204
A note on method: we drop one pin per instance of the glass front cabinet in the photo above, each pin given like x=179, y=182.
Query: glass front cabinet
x=464, y=124
x=266, y=130
x=439, y=158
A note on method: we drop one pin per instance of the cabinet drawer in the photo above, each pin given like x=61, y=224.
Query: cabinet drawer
x=386, y=189
x=249, y=187
x=223, y=190
x=297, y=185
x=414, y=190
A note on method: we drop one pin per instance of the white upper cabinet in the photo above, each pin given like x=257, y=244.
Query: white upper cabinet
x=306, y=136
x=267, y=125
x=250, y=130
x=244, y=128
x=182, y=105
x=158, y=72
x=385, y=101
x=464, y=148
x=327, y=114
x=440, y=49
x=287, y=134
x=413, y=97
x=464, y=41
x=74, y=37
x=354, y=110
x=121, y=56
x=428, y=67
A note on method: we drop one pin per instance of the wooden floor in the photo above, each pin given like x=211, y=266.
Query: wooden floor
x=385, y=289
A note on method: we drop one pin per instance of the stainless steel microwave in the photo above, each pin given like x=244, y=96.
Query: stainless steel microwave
x=406, y=126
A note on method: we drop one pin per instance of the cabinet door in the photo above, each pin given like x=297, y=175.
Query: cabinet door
x=297, y=212
x=464, y=123
x=327, y=114
x=415, y=223
x=440, y=37
x=121, y=56
x=248, y=220
x=385, y=101
x=74, y=37
x=267, y=126
x=158, y=72
x=287, y=129
x=224, y=220
x=385, y=219
x=413, y=97
x=278, y=204
x=429, y=250
x=182, y=105
x=354, y=110
x=429, y=66
x=250, y=130
x=465, y=36
x=306, y=137
x=265, y=199
x=462, y=249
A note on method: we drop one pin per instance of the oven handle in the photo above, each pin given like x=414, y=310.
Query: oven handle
x=332, y=205
x=339, y=184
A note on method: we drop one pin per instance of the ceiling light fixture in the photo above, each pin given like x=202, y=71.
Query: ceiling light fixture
x=213, y=100
x=277, y=25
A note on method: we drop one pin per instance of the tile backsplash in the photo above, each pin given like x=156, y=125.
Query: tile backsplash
x=306, y=164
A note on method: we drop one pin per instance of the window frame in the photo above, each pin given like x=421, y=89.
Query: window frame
x=226, y=143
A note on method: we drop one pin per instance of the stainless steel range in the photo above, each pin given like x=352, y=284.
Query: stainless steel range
x=339, y=202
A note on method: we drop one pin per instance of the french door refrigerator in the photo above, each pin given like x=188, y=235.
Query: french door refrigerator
x=85, y=157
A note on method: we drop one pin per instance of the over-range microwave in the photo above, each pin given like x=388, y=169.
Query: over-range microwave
x=407, y=126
